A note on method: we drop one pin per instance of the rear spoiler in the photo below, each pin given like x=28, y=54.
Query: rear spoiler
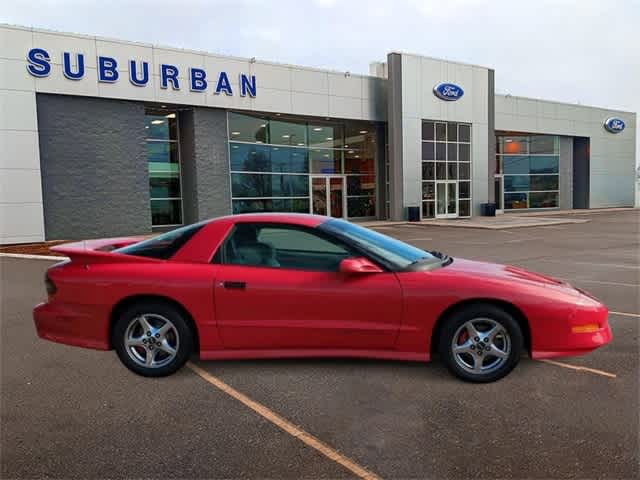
x=101, y=251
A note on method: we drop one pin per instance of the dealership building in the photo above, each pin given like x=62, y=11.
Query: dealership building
x=101, y=137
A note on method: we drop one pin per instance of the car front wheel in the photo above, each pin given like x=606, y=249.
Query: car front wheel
x=481, y=343
x=152, y=339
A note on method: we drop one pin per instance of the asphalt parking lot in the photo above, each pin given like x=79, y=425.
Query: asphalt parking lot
x=74, y=413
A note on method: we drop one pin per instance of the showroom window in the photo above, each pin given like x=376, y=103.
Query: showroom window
x=446, y=169
x=529, y=167
x=163, y=158
x=292, y=165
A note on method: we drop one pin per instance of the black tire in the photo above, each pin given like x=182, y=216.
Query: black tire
x=453, y=326
x=156, y=310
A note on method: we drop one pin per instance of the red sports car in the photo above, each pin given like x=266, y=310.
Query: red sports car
x=286, y=285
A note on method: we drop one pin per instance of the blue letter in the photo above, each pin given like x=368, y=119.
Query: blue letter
x=223, y=84
x=198, y=82
x=39, y=65
x=247, y=85
x=68, y=72
x=133, y=75
x=107, y=69
x=169, y=72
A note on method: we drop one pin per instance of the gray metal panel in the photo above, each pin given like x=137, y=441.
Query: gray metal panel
x=211, y=163
x=95, y=177
x=491, y=109
x=581, y=172
x=566, y=173
x=394, y=118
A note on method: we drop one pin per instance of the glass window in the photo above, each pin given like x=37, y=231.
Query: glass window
x=325, y=161
x=464, y=152
x=513, y=145
x=428, y=190
x=269, y=185
x=452, y=152
x=247, y=128
x=290, y=160
x=361, y=206
x=359, y=137
x=464, y=133
x=516, y=183
x=356, y=162
x=544, y=164
x=441, y=171
x=544, y=144
x=361, y=184
x=163, y=246
x=464, y=171
x=513, y=165
x=428, y=170
x=427, y=131
x=428, y=210
x=161, y=125
x=250, y=157
x=166, y=212
x=441, y=151
x=282, y=247
x=452, y=132
x=464, y=208
x=325, y=135
x=515, y=201
x=294, y=205
x=464, y=189
x=543, y=182
x=543, y=200
x=163, y=163
x=452, y=170
x=287, y=133
x=428, y=151
x=441, y=132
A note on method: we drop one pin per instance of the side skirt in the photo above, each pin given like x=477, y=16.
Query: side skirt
x=314, y=353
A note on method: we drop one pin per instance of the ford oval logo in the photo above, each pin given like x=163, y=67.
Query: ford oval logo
x=614, y=125
x=448, y=91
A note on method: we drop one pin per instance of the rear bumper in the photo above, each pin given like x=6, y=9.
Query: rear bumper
x=62, y=323
x=566, y=342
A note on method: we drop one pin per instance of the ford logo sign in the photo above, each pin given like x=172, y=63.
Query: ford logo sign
x=448, y=92
x=614, y=125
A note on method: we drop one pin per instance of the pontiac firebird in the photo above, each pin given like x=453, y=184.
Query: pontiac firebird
x=288, y=285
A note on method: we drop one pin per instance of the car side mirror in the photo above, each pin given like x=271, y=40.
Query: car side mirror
x=358, y=265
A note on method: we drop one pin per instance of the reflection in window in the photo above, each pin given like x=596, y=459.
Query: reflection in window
x=262, y=145
x=163, y=160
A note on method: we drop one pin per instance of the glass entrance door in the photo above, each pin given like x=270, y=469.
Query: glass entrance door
x=447, y=199
x=328, y=195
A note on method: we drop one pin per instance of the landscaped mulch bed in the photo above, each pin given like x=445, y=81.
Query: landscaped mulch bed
x=42, y=248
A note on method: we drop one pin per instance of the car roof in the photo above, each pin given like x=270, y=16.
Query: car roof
x=303, y=219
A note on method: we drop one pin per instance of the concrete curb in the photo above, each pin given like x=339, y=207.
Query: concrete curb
x=25, y=256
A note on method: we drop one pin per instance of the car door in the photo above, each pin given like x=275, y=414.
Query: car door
x=279, y=288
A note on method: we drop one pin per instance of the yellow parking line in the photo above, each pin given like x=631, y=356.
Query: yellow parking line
x=285, y=425
x=636, y=315
x=581, y=369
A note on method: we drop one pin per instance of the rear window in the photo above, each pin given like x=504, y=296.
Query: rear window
x=163, y=246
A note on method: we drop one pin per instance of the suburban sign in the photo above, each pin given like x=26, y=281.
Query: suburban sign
x=108, y=71
x=614, y=125
x=448, y=91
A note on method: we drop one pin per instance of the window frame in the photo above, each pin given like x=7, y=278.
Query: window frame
x=219, y=256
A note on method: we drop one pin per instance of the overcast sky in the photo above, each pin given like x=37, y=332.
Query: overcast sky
x=583, y=51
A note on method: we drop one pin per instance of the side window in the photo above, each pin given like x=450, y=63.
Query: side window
x=279, y=246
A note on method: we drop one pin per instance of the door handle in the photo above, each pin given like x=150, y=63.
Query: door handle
x=234, y=285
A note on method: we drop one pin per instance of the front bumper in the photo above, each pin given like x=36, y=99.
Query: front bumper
x=71, y=325
x=565, y=341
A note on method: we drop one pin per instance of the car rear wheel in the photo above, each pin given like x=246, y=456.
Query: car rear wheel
x=481, y=343
x=152, y=339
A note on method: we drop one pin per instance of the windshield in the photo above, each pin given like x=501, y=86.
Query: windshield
x=163, y=246
x=398, y=253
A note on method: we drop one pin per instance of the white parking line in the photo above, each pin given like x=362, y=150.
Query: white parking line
x=624, y=314
x=580, y=369
x=285, y=425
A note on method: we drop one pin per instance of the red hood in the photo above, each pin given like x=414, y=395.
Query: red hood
x=496, y=271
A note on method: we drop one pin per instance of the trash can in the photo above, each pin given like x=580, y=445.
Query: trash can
x=413, y=213
x=488, y=209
